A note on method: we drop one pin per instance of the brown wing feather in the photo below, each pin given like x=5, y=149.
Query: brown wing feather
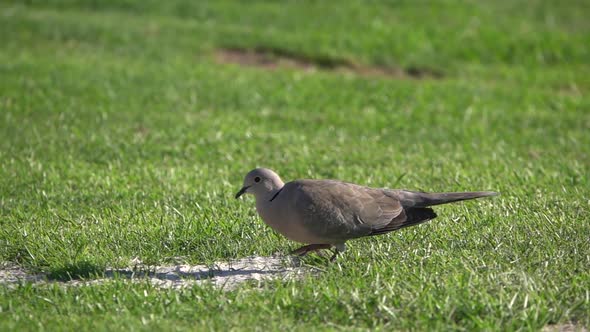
x=409, y=217
x=341, y=210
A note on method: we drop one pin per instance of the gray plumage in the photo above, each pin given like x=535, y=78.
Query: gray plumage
x=326, y=213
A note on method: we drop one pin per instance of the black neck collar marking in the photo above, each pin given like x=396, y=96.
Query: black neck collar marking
x=277, y=194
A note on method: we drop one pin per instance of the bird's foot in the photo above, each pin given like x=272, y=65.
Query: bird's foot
x=336, y=253
x=310, y=248
x=338, y=249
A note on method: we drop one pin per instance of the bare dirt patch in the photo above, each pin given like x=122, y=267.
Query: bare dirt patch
x=564, y=328
x=226, y=275
x=10, y=274
x=271, y=59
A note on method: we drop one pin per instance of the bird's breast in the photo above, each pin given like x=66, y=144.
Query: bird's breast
x=288, y=223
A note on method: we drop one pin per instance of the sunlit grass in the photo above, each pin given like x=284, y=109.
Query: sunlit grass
x=122, y=137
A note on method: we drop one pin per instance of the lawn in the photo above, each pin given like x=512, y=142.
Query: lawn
x=124, y=134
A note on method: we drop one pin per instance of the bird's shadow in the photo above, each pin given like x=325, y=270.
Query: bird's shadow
x=177, y=274
x=249, y=268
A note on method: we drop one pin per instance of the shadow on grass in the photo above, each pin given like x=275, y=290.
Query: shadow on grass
x=76, y=271
x=225, y=274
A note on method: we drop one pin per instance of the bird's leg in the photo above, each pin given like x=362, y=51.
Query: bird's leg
x=309, y=248
x=300, y=251
x=338, y=248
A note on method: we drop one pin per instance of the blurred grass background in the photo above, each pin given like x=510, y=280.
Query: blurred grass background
x=122, y=136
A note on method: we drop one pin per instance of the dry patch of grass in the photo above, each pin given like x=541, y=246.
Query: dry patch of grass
x=271, y=59
x=564, y=328
x=226, y=275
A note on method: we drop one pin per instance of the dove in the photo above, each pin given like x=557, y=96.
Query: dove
x=326, y=213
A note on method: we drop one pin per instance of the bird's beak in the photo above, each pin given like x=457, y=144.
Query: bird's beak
x=242, y=191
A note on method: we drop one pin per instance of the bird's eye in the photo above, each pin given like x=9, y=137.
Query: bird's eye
x=257, y=179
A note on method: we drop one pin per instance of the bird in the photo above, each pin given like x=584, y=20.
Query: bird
x=326, y=213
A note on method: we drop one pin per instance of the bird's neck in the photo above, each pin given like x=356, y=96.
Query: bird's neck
x=269, y=195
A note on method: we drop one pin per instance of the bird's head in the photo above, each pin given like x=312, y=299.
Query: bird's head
x=260, y=182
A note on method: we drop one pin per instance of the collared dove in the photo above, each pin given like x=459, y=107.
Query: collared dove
x=326, y=213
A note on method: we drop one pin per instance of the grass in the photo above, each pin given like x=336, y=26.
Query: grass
x=122, y=137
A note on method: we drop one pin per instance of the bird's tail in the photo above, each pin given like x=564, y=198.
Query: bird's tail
x=422, y=199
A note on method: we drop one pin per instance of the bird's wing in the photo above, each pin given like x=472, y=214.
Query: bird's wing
x=340, y=210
